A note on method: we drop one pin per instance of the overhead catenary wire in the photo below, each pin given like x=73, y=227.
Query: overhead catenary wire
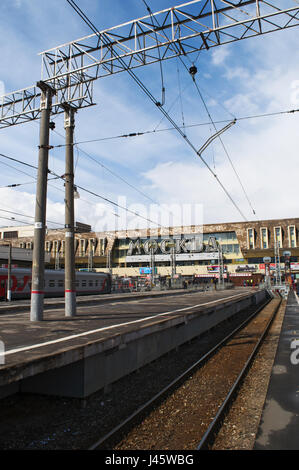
x=155, y=131
x=27, y=216
x=192, y=71
x=15, y=220
x=105, y=167
x=86, y=190
x=152, y=98
x=224, y=148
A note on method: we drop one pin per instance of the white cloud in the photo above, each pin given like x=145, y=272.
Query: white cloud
x=236, y=72
x=219, y=55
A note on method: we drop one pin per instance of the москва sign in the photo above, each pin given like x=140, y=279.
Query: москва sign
x=184, y=248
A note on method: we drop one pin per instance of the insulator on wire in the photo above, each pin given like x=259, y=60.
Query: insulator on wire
x=193, y=71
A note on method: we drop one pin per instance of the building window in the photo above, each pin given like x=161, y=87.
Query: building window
x=10, y=234
x=250, y=238
x=264, y=238
x=82, y=249
x=278, y=236
x=92, y=246
x=56, y=246
x=292, y=236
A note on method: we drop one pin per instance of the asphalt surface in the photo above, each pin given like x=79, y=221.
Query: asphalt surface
x=25, y=340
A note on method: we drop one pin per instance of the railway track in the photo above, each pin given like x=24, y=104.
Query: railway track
x=187, y=413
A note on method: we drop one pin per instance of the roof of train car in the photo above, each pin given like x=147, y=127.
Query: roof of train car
x=53, y=271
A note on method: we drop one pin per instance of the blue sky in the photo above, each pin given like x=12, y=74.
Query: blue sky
x=258, y=75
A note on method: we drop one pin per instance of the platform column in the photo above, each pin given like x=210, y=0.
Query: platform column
x=38, y=257
x=70, y=275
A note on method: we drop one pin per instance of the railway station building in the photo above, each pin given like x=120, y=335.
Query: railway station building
x=134, y=253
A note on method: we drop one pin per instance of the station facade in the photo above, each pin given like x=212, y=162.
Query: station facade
x=135, y=253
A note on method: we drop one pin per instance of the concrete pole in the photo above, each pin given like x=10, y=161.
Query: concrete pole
x=69, y=266
x=9, y=274
x=38, y=257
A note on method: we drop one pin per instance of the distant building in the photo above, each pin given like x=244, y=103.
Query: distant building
x=126, y=253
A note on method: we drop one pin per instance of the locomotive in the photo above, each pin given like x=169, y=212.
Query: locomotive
x=86, y=283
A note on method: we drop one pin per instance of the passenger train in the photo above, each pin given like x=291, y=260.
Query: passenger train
x=86, y=283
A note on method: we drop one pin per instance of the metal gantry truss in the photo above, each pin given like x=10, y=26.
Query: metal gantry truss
x=189, y=28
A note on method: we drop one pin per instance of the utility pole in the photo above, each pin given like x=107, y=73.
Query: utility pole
x=277, y=264
x=69, y=267
x=38, y=257
x=152, y=265
x=9, y=274
x=221, y=266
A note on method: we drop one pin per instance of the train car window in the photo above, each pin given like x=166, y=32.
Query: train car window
x=77, y=283
x=96, y=282
x=84, y=283
x=60, y=283
x=52, y=283
x=90, y=283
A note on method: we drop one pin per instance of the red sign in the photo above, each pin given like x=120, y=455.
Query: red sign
x=272, y=266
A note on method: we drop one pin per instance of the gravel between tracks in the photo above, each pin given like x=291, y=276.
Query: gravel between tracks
x=41, y=422
x=182, y=419
x=241, y=423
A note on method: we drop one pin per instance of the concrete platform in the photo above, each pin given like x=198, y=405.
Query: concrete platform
x=279, y=426
x=59, y=302
x=75, y=357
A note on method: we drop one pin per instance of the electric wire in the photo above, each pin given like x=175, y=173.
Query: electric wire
x=152, y=98
x=105, y=167
x=86, y=190
x=221, y=141
x=15, y=220
x=155, y=131
x=224, y=147
x=225, y=150
x=27, y=216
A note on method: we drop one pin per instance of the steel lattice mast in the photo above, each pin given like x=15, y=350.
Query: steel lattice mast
x=189, y=28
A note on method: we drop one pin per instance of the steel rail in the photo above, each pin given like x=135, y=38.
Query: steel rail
x=214, y=426
x=123, y=427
